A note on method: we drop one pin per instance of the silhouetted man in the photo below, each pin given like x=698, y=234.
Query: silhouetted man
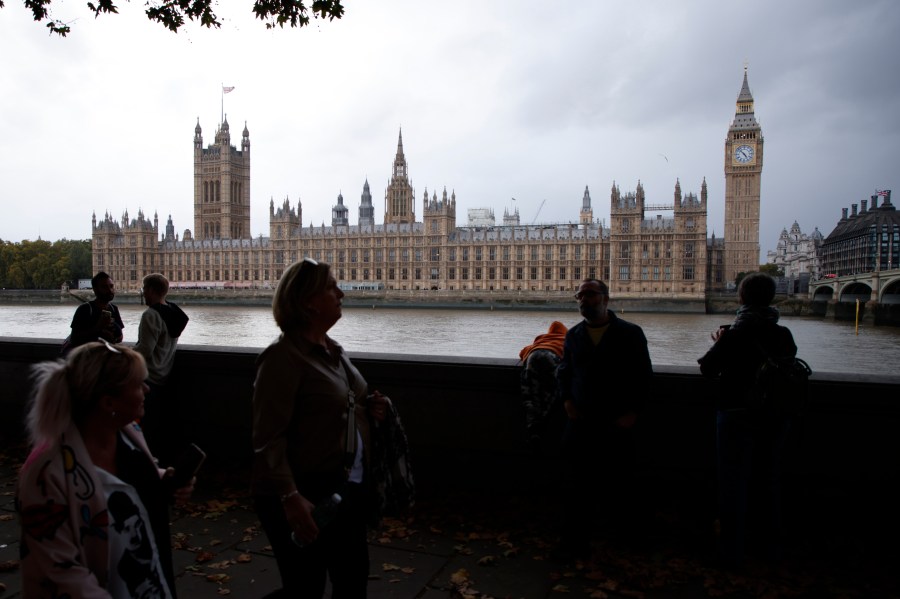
x=98, y=318
x=603, y=378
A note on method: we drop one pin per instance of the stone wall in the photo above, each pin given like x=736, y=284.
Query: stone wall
x=465, y=424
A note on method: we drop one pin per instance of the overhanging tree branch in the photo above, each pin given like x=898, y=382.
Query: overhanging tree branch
x=173, y=14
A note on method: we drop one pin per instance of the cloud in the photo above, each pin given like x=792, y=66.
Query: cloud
x=496, y=100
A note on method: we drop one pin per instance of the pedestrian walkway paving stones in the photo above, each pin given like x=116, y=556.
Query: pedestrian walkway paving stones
x=467, y=547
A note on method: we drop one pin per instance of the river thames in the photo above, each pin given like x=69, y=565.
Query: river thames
x=674, y=339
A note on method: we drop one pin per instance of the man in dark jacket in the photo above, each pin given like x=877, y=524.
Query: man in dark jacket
x=604, y=376
x=750, y=438
x=98, y=318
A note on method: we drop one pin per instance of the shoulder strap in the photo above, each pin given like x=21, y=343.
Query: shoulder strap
x=350, y=446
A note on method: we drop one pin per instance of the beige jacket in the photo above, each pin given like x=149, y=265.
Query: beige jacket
x=300, y=413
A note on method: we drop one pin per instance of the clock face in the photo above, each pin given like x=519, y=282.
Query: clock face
x=743, y=153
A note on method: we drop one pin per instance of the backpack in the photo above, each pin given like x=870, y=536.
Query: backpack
x=67, y=345
x=782, y=384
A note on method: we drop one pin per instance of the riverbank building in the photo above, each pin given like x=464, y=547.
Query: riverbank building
x=651, y=249
x=867, y=240
x=798, y=256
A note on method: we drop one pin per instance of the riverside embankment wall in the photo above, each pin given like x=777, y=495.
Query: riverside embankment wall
x=465, y=423
x=871, y=312
x=455, y=300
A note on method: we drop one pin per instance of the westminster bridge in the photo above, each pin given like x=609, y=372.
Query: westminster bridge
x=878, y=294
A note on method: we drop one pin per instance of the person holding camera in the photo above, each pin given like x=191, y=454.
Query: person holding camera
x=750, y=439
x=311, y=441
x=98, y=318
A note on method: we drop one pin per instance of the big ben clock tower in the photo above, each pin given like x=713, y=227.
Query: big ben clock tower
x=743, y=170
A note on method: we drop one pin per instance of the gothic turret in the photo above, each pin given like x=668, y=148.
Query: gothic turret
x=340, y=213
x=366, y=209
x=587, y=213
x=399, y=195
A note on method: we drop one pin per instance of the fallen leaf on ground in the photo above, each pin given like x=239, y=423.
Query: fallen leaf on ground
x=215, y=505
x=460, y=577
x=487, y=560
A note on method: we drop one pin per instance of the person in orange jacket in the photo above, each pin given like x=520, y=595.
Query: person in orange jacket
x=538, y=379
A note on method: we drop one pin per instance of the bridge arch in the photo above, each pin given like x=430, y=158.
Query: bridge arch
x=825, y=293
x=855, y=291
x=890, y=292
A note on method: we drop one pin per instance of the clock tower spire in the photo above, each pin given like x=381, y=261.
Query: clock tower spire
x=743, y=170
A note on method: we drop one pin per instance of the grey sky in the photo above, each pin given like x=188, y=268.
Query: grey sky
x=497, y=100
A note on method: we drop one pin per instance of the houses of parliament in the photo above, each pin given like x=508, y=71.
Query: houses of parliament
x=665, y=255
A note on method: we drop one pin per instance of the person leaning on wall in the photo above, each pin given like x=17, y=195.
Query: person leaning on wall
x=158, y=332
x=98, y=317
x=537, y=380
x=748, y=437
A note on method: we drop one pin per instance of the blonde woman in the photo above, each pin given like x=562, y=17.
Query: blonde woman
x=92, y=502
x=311, y=439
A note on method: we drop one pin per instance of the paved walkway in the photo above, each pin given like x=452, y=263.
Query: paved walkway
x=466, y=547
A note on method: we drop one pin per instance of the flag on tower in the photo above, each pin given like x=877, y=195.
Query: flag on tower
x=228, y=89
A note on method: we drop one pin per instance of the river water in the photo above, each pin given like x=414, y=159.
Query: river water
x=674, y=339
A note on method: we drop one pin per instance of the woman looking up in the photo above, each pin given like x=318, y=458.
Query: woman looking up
x=93, y=504
x=311, y=440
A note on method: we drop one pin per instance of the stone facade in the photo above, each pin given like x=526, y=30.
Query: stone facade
x=743, y=170
x=797, y=254
x=864, y=241
x=649, y=249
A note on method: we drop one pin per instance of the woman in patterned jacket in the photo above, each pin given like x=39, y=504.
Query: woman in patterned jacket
x=92, y=502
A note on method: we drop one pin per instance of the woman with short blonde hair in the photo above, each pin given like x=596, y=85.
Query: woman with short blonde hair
x=311, y=441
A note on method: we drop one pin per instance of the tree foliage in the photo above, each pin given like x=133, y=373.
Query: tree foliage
x=172, y=14
x=44, y=265
x=772, y=270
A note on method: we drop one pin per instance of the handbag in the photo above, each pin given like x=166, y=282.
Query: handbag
x=391, y=471
x=394, y=484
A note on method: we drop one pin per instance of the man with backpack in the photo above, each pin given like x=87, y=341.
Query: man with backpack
x=751, y=425
x=161, y=326
x=98, y=318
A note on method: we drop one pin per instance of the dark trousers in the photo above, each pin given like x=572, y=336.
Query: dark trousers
x=340, y=552
x=600, y=486
x=161, y=425
x=750, y=448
